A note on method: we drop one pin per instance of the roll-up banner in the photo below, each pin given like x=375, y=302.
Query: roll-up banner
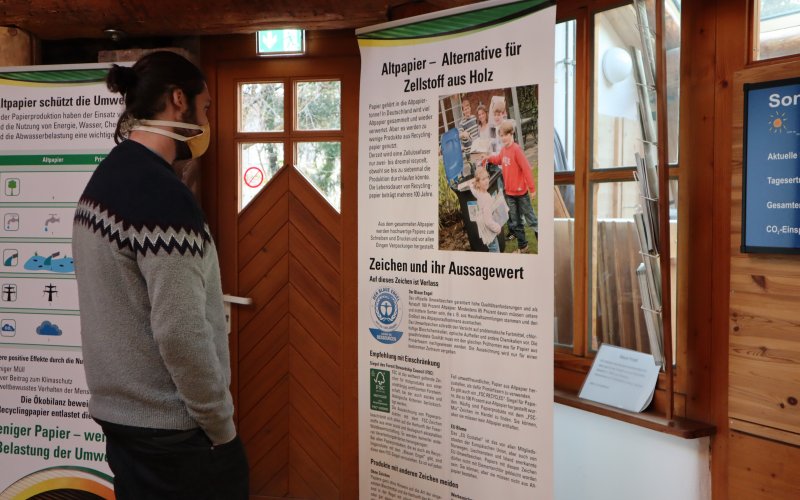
x=455, y=225
x=56, y=125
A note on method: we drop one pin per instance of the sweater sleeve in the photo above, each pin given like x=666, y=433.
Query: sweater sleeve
x=495, y=159
x=527, y=174
x=185, y=339
x=488, y=219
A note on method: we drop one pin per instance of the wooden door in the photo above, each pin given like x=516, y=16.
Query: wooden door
x=293, y=361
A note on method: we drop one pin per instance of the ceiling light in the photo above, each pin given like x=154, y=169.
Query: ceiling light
x=115, y=35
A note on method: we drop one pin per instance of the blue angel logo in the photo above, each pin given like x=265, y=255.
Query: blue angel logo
x=386, y=309
x=386, y=316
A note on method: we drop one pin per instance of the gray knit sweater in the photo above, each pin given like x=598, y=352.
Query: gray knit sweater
x=152, y=320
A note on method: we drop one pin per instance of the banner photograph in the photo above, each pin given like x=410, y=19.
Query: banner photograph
x=455, y=226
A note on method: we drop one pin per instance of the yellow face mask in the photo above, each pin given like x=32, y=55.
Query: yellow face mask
x=197, y=144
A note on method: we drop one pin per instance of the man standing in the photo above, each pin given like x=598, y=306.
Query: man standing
x=152, y=322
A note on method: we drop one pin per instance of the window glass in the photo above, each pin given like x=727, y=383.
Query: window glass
x=564, y=228
x=261, y=107
x=318, y=105
x=321, y=164
x=620, y=263
x=450, y=111
x=258, y=162
x=673, y=253
x=672, y=44
x=564, y=103
x=616, y=315
x=564, y=210
x=777, y=28
x=646, y=23
x=623, y=80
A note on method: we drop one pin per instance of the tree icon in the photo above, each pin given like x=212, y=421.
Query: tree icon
x=12, y=187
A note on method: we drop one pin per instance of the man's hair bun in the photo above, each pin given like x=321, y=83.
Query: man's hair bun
x=121, y=79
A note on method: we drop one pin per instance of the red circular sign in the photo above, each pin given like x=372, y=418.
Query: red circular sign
x=253, y=177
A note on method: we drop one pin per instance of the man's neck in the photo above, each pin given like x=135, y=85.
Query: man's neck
x=159, y=144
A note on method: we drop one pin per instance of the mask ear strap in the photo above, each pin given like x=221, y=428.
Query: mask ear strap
x=161, y=131
x=165, y=123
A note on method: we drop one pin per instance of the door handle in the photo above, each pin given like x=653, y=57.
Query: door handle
x=233, y=299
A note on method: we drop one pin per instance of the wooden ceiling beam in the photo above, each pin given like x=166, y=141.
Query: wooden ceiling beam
x=67, y=19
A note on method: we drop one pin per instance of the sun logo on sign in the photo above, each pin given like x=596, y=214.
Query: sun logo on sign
x=777, y=122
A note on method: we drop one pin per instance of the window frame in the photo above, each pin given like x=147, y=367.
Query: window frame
x=754, y=35
x=571, y=364
x=290, y=135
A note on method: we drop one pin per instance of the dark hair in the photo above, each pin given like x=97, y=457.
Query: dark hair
x=146, y=85
x=481, y=107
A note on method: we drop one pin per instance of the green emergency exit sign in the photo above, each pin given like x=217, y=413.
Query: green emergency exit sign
x=281, y=42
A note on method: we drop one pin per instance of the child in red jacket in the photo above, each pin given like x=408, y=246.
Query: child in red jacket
x=518, y=183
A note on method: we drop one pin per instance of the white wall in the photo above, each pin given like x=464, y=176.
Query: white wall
x=612, y=99
x=598, y=458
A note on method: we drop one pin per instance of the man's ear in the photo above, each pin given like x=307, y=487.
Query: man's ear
x=179, y=100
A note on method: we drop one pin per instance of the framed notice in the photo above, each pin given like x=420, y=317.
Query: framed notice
x=771, y=167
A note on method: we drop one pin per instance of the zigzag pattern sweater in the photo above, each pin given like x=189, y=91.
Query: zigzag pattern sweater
x=152, y=320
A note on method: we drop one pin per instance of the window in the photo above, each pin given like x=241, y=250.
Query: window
x=776, y=26
x=259, y=161
x=320, y=163
x=610, y=50
x=564, y=154
x=294, y=123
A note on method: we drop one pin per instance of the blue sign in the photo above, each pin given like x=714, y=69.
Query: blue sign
x=771, y=184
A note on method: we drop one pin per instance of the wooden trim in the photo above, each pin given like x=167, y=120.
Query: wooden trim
x=349, y=283
x=580, y=318
x=610, y=175
x=763, y=431
x=663, y=205
x=730, y=22
x=695, y=211
x=775, y=60
x=753, y=30
x=564, y=178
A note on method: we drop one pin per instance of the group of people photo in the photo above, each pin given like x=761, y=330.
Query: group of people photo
x=487, y=171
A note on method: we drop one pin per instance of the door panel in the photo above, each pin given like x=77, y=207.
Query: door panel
x=285, y=251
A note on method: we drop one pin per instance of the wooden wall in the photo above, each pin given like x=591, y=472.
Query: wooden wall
x=764, y=345
x=290, y=351
x=17, y=48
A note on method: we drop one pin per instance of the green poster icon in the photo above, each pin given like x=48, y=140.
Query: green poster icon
x=380, y=382
x=12, y=187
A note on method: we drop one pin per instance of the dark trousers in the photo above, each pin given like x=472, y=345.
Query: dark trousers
x=520, y=211
x=172, y=465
